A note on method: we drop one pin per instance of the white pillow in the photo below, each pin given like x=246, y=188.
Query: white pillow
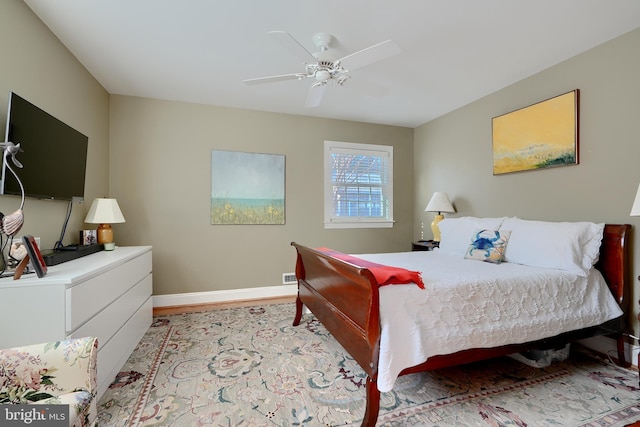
x=569, y=246
x=456, y=233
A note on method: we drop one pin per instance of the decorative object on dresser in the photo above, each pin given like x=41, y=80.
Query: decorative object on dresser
x=88, y=237
x=105, y=212
x=424, y=245
x=106, y=295
x=33, y=255
x=12, y=223
x=439, y=203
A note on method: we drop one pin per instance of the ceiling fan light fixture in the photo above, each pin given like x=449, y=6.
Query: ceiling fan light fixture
x=322, y=75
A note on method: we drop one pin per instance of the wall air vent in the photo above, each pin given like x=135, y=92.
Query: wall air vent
x=289, y=279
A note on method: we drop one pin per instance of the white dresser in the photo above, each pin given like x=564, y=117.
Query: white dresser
x=105, y=295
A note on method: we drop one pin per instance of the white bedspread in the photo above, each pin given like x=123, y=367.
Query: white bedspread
x=473, y=304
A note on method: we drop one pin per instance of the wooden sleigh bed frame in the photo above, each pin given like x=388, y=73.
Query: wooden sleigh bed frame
x=345, y=299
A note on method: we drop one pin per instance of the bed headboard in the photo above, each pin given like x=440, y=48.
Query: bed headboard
x=613, y=262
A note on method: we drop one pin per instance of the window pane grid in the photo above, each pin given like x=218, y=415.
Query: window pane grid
x=360, y=169
x=366, y=197
x=359, y=185
x=360, y=201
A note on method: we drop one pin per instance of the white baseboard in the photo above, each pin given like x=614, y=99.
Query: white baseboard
x=608, y=346
x=230, y=295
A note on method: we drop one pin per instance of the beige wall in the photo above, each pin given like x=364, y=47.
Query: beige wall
x=157, y=163
x=35, y=65
x=159, y=154
x=453, y=153
x=161, y=175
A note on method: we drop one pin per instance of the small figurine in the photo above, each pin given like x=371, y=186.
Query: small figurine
x=12, y=223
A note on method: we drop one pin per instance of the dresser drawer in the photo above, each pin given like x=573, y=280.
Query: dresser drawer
x=115, y=353
x=102, y=325
x=92, y=296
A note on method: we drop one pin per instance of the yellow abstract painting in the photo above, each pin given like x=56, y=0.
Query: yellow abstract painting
x=539, y=136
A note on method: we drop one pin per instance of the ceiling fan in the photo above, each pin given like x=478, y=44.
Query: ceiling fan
x=323, y=66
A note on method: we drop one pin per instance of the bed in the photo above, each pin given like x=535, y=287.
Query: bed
x=348, y=300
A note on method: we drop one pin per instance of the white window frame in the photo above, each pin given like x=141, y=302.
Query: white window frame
x=333, y=221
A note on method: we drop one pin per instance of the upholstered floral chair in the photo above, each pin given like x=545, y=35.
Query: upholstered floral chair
x=62, y=372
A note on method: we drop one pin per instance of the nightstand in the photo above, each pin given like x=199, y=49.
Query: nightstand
x=424, y=245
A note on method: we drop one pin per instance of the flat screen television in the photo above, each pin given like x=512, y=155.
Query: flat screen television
x=54, y=156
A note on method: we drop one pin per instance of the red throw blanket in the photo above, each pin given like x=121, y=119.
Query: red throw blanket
x=384, y=274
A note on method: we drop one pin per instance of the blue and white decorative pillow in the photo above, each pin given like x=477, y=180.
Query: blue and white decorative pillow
x=488, y=245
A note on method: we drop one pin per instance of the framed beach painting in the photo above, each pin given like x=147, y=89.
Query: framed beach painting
x=539, y=136
x=247, y=188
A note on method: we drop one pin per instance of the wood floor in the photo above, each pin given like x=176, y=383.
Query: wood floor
x=179, y=309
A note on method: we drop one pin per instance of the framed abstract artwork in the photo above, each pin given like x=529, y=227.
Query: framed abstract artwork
x=247, y=188
x=539, y=136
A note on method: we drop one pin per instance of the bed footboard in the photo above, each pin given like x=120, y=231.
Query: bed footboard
x=345, y=299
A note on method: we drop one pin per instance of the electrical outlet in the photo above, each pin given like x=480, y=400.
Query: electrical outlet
x=289, y=279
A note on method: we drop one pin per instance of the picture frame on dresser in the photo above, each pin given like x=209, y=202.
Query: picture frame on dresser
x=88, y=237
x=35, y=256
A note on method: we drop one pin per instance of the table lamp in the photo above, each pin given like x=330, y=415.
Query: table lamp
x=439, y=203
x=635, y=209
x=105, y=212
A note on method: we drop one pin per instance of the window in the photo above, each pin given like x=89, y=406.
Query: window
x=358, y=185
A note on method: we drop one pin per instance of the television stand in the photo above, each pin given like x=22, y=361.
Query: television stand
x=58, y=256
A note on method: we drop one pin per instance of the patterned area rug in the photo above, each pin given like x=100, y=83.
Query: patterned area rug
x=250, y=367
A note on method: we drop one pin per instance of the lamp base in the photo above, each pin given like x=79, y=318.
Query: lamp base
x=104, y=235
x=435, y=228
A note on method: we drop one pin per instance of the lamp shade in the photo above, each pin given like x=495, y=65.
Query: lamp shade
x=439, y=203
x=635, y=209
x=104, y=211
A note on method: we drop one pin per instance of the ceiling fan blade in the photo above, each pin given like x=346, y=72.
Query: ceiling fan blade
x=369, y=55
x=270, y=79
x=315, y=95
x=287, y=41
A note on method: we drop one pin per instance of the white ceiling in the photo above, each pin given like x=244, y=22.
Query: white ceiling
x=453, y=51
